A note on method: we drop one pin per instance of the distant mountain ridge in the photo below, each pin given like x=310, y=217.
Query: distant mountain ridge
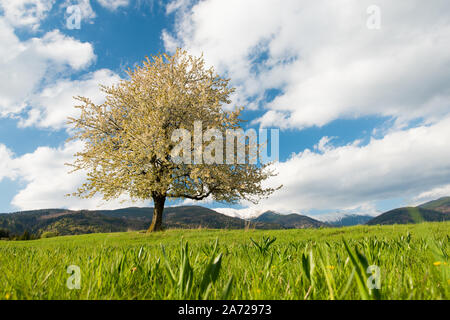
x=345, y=219
x=289, y=221
x=441, y=205
x=68, y=222
x=409, y=215
x=436, y=210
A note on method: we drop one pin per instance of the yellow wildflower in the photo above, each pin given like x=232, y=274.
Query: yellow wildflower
x=437, y=263
x=331, y=267
x=7, y=296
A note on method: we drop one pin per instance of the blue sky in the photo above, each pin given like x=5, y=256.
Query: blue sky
x=360, y=94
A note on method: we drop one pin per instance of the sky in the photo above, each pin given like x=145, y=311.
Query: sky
x=359, y=90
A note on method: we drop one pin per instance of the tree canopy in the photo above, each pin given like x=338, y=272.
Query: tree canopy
x=129, y=138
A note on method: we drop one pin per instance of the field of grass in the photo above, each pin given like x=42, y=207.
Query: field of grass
x=413, y=261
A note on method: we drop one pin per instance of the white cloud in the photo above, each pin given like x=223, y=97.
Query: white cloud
x=177, y=5
x=113, y=4
x=245, y=213
x=61, y=49
x=85, y=9
x=25, y=66
x=7, y=169
x=324, y=144
x=402, y=165
x=328, y=65
x=55, y=103
x=26, y=13
x=433, y=194
x=322, y=57
x=48, y=181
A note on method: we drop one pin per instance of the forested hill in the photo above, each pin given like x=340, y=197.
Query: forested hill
x=441, y=205
x=409, y=215
x=69, y=222
x=290, y=221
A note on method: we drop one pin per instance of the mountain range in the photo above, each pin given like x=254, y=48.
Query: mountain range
x=441, y=205
x=344, y=219
x=289, y=221
x=67, y=222
x=409, y=215
x=436, y=210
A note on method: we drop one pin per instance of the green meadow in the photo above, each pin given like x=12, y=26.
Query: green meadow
x=405, y=261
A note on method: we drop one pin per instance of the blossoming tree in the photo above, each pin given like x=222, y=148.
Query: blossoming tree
x=129, y=139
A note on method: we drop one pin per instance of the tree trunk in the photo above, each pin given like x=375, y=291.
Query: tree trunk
x=158, y=210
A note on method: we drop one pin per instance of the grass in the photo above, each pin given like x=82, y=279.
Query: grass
x=236, y=264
